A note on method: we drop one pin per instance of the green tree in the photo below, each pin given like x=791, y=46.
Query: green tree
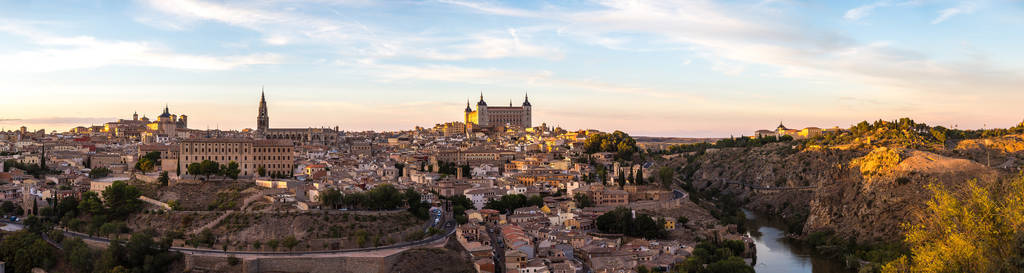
x=78, y=254
x=665, y=175
x=582, y=200
x=122, y=199
x=144, y=165
x=621, y=221
x=640, y=176
x=194, y=169
x=331, y=198
x=164, y=179
x=90, y=203
x=289, y=242
x=231, y=170
x=622, y=178
x=209, y=168
x=262, y=171
x=98, y=173
x=23, y=250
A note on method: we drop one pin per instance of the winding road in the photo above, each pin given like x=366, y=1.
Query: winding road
x=448, y=228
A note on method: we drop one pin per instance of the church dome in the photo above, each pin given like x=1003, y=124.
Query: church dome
x=167, y=113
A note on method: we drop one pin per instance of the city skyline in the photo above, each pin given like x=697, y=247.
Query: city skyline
x=691, y=68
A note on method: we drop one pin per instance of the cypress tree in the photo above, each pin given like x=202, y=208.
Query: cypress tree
x=42, y=159
x=640, y=176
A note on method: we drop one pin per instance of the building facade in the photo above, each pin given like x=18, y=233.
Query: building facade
x=274, y=156
x=496, y=116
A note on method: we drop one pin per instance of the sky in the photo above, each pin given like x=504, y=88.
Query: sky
x=654, y=68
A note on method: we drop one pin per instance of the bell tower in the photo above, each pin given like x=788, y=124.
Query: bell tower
x=262, y=120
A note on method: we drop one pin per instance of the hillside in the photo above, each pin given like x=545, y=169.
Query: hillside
x=861, y=184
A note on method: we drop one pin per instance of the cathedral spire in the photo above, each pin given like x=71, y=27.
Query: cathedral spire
x=262, y=119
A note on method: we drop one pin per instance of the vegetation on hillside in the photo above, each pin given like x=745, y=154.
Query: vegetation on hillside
x=616, y=142
x=727, y=143
x=208, y=168
x=905, y=132
x=715, y=257
x=511, y=202
x=980, y=229
x=621, y=221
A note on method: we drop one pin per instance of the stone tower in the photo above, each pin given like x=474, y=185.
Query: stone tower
x=527, y=113
x=262, y=120
x=481, y=112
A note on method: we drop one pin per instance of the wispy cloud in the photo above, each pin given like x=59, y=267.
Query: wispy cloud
x=966, y=7
x=730, y=36
x=283, y=27
x=59, y=120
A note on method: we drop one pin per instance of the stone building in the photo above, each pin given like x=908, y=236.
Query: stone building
x=497, y=116
x=276, y=157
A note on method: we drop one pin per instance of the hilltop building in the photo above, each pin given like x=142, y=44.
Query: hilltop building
x=497, y=116
x=804, y=133
x=303, y=136
x=166, y=126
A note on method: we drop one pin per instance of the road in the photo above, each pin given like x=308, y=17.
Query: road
x=499, y=248
x=448, y=228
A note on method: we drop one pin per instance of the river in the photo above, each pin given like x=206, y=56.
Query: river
x=775, y=254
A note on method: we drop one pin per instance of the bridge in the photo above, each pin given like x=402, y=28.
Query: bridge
x=762, y=189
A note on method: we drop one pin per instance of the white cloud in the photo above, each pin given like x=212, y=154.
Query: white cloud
x=57, y=53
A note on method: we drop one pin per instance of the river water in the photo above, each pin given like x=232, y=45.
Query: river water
x=775, y=254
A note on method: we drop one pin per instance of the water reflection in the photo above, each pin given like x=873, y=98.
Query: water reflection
x=775, y=254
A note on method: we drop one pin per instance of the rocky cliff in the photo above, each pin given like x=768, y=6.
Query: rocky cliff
x=863, y=193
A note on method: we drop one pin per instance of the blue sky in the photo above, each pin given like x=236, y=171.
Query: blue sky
x=664, y=68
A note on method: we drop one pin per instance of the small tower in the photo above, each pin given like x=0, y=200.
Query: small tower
x=135, y=116
x=481, y=112
x=527, y=112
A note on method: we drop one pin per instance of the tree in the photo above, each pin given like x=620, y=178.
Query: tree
x=622, y=178
x=42, y=159
x=640, y=176
x=976, y=230
x=231, y=170
x=23, y=250
x=90, y=203
x=665, y=174
x=145, y=165
x=582, y=200
x=98, y=173
x=621, y=221
x=78, y=254
x=164, y=179
x=272, y=244
x=194, y=169
x=208, y=168
x=289, y=242
x=122, y=199
x=330, y=198
x=262, y=171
